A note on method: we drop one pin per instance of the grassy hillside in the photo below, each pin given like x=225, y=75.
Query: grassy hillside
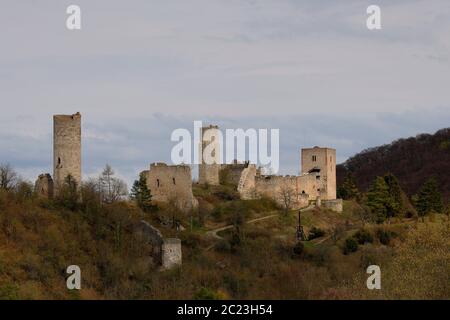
x=261, y=260
x=412, y=161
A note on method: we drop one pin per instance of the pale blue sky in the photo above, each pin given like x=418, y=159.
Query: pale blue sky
x=139, y=69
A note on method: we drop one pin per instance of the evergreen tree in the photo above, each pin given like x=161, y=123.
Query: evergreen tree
x=429, y=198
x=395, y=206
x=379, y=200
x=141, y=194
x=349, y=190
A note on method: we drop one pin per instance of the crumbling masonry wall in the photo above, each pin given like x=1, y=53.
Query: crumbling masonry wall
x=232, y=172
x=279, y=188
x=166, y=252
x=171, y=184
x=44, y=186
x=247, y=183
x=66, y=149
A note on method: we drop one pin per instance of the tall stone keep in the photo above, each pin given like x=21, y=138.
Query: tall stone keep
x=66, y=148
x=208, y=172
x=322, y=162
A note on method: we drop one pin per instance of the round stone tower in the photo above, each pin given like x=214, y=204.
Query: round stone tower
x=66, y=148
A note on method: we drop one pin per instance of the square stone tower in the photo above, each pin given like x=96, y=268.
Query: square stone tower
x=209, y=147
x=66, y=149
x=321, y=162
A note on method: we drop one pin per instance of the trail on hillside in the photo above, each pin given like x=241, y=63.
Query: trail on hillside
x=214, y=233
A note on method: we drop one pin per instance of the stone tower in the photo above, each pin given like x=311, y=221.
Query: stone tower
x=66, y=148
x=322, y=162
x=210, y=143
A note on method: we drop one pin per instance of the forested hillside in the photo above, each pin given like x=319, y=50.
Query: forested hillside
x=412, y=161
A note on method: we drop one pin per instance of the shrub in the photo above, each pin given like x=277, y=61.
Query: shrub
x=205, y=294
x=191, y=240
x=9, y=292
x=350, y=245
x=298, y=248
x=385, y=236
x=315, y=233
x=227, y=194
x=236, y=284
x=223, y=246
x=363, y=236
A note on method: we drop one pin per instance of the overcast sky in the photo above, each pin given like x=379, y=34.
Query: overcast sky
x=139, y=69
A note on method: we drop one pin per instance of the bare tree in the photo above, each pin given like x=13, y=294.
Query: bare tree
x=111, y=188
x=287, y=195
x=8, y=177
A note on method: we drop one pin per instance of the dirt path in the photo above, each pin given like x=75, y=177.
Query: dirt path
x=214, y=233
x=321, y=240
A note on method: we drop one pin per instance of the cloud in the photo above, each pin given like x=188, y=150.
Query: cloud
x=136, y=72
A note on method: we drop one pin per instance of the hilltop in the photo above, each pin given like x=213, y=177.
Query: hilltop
x=260, y=260
x=412, y=160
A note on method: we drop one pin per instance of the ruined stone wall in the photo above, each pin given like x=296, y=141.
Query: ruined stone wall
x=318, y=179
x=322, y=160
x=276, y=188
x=166, y=252
x=171, y=184
x=247, y=183
x=334, y=205
x=66, y=148
x=209, y=172
x=232, y=172
x=309, y=184
x=44, y=186
x=171, y=253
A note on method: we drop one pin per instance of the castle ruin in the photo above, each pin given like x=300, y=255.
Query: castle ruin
x=66, y=155
x=171, y=184
x=66, y=149
x=320, y=163
x=317, y=182
x=44, y=186
x=208, y=173
x=166, y=252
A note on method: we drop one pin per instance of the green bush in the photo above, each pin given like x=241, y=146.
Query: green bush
x=363, y=236
x=350, y=245
x=315, y=233
x=385, y=236
x=9, y=292
x=205, y=294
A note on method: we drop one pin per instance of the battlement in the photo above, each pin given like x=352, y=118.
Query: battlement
x=65, y=117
